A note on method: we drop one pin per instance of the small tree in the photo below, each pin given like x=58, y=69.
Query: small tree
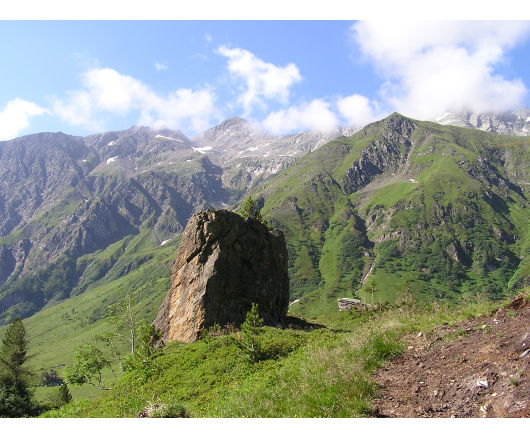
x=89, y=361
x=250, y=209
x=121, y=315
x=405, y=297
x=16, y=398
x=109, y=339
x=58, y=398
x=248, y=337
x=150, y=347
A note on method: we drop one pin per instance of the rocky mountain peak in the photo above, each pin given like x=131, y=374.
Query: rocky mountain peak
x=398, y=124
x=233, y=129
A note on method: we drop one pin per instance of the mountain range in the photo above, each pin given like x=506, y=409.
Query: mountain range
x=66, y=199
x=508, y=122
x=438, y=210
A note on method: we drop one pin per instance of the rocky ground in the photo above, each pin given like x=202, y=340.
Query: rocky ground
x=476, y=368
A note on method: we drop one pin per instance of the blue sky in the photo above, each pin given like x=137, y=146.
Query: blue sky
x=83, y=77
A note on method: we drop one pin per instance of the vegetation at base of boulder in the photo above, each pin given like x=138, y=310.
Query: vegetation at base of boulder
x=16, y=395
x=143, y=360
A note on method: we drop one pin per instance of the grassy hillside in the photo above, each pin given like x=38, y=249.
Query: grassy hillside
x=55, y=331
x=319, y=372
x=404, y=206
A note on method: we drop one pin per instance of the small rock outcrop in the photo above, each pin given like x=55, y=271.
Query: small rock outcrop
x=350, y=303
x=224, y=264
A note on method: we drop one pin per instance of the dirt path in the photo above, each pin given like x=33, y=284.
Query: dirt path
x=477, y=368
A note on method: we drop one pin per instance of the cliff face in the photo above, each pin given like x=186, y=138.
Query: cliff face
x=224, y=264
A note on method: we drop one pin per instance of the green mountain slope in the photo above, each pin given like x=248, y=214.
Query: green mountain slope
x=55, y=331
x=404, y=206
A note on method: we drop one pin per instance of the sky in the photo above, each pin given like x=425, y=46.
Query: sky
x=83, y=77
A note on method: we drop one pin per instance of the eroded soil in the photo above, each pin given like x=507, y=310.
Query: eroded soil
x=476, y=368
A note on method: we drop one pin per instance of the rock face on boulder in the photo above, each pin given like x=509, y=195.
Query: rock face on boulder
x=224, y=264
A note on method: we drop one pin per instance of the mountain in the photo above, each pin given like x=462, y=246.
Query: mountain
x=404, y=206
x=508, y=122
x=440, y=211
x=77, y=210
x=249, y=156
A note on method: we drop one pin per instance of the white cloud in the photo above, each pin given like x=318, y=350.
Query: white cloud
x=77, y=109
x=160, y=66
x=15, y=117
x=106, y=90
x=357, y=110
x=437, y=66
x=315, y=115
x=184, y=105
x=262, y=80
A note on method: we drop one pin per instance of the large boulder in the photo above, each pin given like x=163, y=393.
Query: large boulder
x=224, y=264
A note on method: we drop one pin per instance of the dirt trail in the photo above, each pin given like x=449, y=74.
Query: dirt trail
x=477, y=368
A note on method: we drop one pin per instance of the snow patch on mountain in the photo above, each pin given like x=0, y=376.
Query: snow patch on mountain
x=168, y=138
x=202, y=150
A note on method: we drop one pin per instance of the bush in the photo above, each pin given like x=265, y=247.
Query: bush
x=58, y=398
x=143, y=359
x=276, y=345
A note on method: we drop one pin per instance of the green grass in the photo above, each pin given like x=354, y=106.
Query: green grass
x=324, y=372
x=389, y=195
